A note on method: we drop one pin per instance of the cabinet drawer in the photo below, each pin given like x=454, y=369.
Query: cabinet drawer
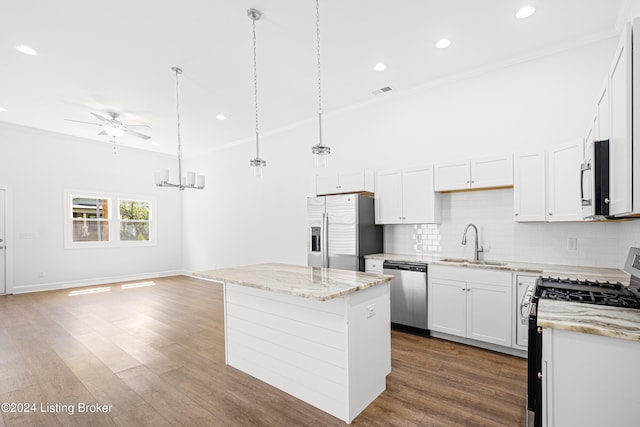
x=471, y=274
x=373, y=265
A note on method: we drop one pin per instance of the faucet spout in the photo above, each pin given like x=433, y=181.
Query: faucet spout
x=477, y=251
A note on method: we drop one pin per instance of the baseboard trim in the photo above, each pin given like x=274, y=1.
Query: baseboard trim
x=53, y=286
x=485, y=345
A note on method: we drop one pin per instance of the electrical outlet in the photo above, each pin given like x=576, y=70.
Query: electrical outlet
x=572, y=244
x=371, y=310
x=40, y=274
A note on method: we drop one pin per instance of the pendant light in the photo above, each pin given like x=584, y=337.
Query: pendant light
x=257, y=162
x=190, y=180
x=321, y=152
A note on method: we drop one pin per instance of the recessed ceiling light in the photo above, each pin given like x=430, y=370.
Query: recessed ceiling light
x=3, y=110
x=155, y=144
x=380, y=67
x=26, y=50
x=221, y=117
x=525, y=12
x=443, y=43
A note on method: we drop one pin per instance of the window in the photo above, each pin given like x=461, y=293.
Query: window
x=91, y=223
x=90, y=219
x=134, y=220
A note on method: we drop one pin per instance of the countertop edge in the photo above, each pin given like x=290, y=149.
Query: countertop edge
x=591, y=319
x=381, y=279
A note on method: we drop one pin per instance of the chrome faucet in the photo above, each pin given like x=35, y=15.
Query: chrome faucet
x=476, y=257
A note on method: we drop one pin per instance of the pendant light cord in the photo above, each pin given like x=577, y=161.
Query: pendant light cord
x=178, y=71
x=255, y=86
x=319, y=74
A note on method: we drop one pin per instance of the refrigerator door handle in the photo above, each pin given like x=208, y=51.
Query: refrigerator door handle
x=325, y=240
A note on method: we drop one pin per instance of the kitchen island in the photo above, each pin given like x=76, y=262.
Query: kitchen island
x=319, y=334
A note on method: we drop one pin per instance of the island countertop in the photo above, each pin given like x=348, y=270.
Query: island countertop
x=322, y=284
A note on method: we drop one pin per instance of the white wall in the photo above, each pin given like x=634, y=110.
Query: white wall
x=239, y=220
x=37, y=167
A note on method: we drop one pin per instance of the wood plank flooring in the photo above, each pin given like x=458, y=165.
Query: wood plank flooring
x=154, y=351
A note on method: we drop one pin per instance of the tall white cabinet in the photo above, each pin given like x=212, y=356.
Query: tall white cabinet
x=406, y=196
x=621, y=143
x=530, y=186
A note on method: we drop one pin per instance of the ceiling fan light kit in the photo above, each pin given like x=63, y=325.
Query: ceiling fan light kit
x=190, y=180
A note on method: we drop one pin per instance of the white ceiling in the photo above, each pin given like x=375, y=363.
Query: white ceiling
x=117, y=56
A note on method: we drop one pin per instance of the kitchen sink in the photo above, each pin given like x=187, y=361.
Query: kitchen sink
x=474, y=262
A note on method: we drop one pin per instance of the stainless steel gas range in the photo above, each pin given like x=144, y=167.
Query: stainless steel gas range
x=570, y=290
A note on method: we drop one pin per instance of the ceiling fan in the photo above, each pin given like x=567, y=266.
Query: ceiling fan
x=114, y=127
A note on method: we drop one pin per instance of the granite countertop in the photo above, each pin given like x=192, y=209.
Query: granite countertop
x=316, y=283
x=623, y=323
x=557, y=270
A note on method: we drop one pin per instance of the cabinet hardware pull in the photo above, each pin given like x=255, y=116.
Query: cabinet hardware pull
x=607, y=201
x=539, y=375
x=517, y=214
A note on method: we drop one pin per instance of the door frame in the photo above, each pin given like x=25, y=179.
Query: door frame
x=8, y=239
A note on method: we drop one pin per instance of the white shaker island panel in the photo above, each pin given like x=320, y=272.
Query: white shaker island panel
x=321, y=335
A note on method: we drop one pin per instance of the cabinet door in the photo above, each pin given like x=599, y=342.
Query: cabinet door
x=620, y=144
x=388, y=197
x=602, y=128
x=529, y=187
x=489, y=313
x=447, y=306
x=327, y=184
x=350, y=182
x=452, y=176
x=418, y=198
x=492, y=172
x=563, y=191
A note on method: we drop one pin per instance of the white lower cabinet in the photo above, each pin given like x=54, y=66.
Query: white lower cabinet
x=589, y=380
x=470, y=303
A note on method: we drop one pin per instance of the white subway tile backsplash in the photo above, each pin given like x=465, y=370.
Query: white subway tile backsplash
x=599, y=244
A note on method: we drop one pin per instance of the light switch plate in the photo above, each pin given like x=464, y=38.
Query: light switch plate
x=572, y=244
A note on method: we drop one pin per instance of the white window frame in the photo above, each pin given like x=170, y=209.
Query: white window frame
x=113, y=219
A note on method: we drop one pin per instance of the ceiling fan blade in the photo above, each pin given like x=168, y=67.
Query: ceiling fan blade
x=86, y=123
x=144, y=126
x=138, y=134
x=99, y=117
x=103, y=133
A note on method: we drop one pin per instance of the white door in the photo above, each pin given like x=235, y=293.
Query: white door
x=3, y=256
x=447, y=306
x=492, y=172
x=563, y=195
x=418, y=197
x=388, y=197
x=489, y=313
x=452, y=176
x=529, y=187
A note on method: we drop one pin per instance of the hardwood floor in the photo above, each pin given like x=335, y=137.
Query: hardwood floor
x=154, y=351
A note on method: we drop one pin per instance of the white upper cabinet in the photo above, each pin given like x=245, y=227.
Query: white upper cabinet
x=388, y=197
x=602, y=121
x=621, y=142
x=529, y=186
x=345, y=182
x=563, y=185
x=453, y=176
x=492, y=172
x=406, y=197
x=487, y=172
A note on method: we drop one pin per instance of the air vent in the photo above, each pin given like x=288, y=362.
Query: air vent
x=381, y=90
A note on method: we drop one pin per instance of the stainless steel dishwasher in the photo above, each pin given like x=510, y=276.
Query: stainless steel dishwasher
x=408, y=291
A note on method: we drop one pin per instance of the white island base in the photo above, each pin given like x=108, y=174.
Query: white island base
x=334, y=355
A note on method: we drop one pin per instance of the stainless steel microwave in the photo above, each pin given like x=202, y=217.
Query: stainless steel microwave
x=594, y=181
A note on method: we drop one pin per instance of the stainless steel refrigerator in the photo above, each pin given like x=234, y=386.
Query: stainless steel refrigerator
x=341, y=230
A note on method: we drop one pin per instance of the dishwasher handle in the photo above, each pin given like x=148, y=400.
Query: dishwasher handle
x=406, y=266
